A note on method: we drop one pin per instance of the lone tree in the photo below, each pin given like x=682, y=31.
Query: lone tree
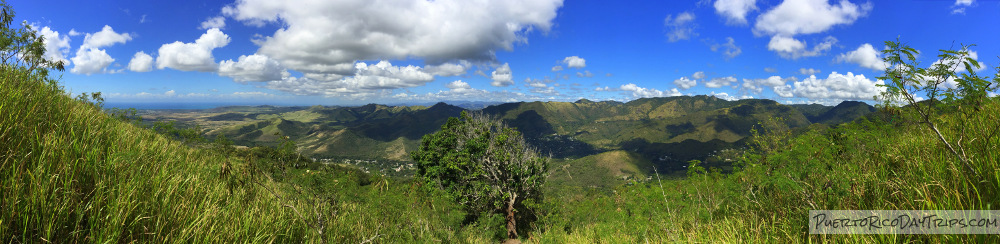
x=484, y=165
x=950, y=84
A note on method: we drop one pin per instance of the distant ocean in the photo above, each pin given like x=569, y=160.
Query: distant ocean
x=173, y=105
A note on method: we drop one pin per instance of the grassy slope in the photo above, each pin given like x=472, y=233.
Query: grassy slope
x=71, y=173
x=862, y=165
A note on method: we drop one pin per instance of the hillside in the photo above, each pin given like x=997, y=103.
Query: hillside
x=666, y=131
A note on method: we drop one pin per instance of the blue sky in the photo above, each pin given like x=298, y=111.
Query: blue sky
x=404, y=51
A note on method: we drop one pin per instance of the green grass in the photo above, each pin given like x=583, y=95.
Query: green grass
x=877, y=165
x=71, y=173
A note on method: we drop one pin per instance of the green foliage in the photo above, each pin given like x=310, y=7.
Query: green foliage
x=23, y=49
x=484, y=165
x=695, y=168
x=909, y=81
x=186, y=135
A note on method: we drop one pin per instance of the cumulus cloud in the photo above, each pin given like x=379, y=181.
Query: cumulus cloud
x=685, y=83
x=325, y=36
x=458, y=84
x=90, y=58
x=196, y=56
x=720, y=82
x=575, y=62
x=770, y=70
x=727, y=97
x=729, y=49
x=502, y=76
x=217, y=22
x=648, y=92
x=252, y=68
x=584, y=74
x=557, y=68
x=448, y=69
x=384, y=75
x=791, y=48
x=698, y=75
x=91, y=61
x=141, y=62
x=56, y=45
x=757, y=85
x=735, y=11
x=809, y=71
x=793, y=17
x=865, y=56
x=680, y=27
x=368, y=81
x=104, y=38
x=835, y=87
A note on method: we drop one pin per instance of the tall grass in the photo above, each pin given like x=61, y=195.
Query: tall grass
x=71, y=173
x=878, y=163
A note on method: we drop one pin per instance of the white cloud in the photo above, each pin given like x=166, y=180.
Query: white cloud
x=141, y=62
x=757, y=85
x=685, y=83
x=835, y=87
x=196, y=56
x=735, y=11
x=680, y=27
x=729, y=49
x=720, y=82
x=698, y=75
x=369, y=81
x=727, y=97
x=791, y=48
x=217, y=22
x=252, y=68
x=384, y=75
x=809, y=71
x=648, y=92
x=770, y=70
x=793, y=17
x=535, y=83
x=448, y=69
x=960, y=5
x=91, y=61
x=557, y=68
x=575, y=62
x=458, y=84
x=90, y=58
x=502, y=76
x=104, y=38
x=170, y=93
x=325, y=36
x=56, y=45
x=865, y=56
x=73, y=32
x=584, y=74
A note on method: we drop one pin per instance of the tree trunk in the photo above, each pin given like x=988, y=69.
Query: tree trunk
x=511, y=222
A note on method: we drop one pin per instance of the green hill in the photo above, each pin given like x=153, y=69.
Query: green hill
x=667, y=131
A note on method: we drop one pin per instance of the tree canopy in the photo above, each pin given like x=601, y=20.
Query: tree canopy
x=484, y=165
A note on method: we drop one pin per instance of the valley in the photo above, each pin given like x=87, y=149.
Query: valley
x=624, y=139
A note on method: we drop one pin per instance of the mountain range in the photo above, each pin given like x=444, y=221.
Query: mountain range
x=655, y=132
